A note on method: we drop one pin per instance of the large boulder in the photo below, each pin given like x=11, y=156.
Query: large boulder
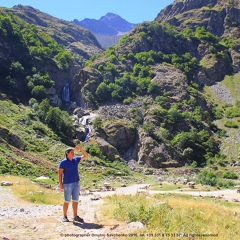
x=108, y=150
x=121, y=135
x=11, y=138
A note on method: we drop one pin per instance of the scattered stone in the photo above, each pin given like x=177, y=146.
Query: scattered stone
x=160, y=203
x=133, y=226
x=5, y=183
x=95, y=197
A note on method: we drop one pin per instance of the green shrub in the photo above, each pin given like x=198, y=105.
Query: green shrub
x=39, y=92
x=207, y=178
x=230, y=124
x=148, y=127
x=230, y=175
x=226, y=183
x=97, y=123
x=232, y=112
x=64, y=58
x=95, y=150
x=128, y=100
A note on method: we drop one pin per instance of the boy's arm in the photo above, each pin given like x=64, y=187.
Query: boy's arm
x=85, y=154
x=60, y=178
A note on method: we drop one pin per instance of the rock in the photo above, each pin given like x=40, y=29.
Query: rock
x=11, y=138
x=121, y=135
x=5, y=183
x=133, y=226
x=107, y=149
x=165, y=76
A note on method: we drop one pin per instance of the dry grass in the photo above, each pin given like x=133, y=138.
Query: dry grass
x=29, y=191
x=179, y=215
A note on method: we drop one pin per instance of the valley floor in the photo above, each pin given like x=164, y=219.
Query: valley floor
x=20, y=220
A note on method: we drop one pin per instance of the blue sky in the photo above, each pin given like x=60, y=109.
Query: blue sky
x=134, y=11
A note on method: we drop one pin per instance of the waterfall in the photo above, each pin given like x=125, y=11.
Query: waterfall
x=85, y=121
x=66, y=93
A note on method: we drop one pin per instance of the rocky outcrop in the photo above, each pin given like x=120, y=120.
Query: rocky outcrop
x=181, y=6
x=11, y=138
x=172, y=80
x=218, y=17
x=121, y=135
x=107, y=149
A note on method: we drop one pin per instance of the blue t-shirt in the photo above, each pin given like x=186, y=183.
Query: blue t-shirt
x=70, y=172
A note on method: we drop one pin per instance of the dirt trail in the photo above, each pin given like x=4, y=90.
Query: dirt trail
x=20, y=220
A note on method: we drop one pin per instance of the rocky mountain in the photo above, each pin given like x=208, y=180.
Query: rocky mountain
x=144, y=97
x=81, y=43
x=111, y=24
x=219, y=17
x=76, y=39
x=160, y=69
x=108, y=29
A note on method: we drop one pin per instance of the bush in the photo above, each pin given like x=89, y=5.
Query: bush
x=95, y=150
x=39, y=92
x=226, y=184
x=202, y=34
x=230, y=124
x=207, y=178
x=59, y=121
x=63, y=58
x=148, y=127
x=230, y=175
x=97, y=123
x=128, y=100
x=232, y=112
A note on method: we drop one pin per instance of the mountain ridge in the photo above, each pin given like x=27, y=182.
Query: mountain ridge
x=111, y=24
x=108, y=29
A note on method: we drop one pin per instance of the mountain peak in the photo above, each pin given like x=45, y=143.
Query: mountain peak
x=112, y=15
x=111, y=24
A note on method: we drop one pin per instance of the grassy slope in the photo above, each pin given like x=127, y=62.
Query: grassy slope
x=43, y=151
x=231, y=144
x=43, y=148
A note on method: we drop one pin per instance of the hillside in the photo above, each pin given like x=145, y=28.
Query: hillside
x=151, y=100
x=159, y=71
x=33, y=42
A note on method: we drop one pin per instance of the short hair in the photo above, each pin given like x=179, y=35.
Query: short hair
x=68, y=150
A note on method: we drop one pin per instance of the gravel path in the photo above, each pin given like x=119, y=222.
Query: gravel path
x=21, y=220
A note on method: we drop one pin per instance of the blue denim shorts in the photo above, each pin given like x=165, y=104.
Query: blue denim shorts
x=71, y=190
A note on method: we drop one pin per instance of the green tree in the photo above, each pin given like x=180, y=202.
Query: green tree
x=103, y=92
x=59, y=121
x=39, y=92
x=63, y=59
x=44, y=107
x=97, y=123
x=16, y=69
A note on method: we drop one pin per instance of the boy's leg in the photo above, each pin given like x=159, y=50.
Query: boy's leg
x=75, y=198
x=67, y=198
